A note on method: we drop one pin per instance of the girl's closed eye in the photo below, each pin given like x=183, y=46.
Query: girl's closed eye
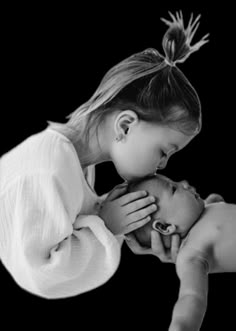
x=163, y=154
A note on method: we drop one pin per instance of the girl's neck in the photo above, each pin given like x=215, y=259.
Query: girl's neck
x=91, y=153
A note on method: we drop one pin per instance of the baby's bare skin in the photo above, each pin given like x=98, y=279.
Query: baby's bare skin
x=208, y=232
x=210, y=247
x=213, y=238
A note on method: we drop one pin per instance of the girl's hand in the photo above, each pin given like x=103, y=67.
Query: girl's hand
x=166, y=255
x=123, y=213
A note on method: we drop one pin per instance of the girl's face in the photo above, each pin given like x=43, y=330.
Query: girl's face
x=145, y=149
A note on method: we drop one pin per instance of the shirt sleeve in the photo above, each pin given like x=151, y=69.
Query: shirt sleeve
x=57, y=252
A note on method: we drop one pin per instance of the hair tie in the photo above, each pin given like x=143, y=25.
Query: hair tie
x=177, y=39
x=169, y=63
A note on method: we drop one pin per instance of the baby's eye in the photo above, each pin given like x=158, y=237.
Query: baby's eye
x=174, y=188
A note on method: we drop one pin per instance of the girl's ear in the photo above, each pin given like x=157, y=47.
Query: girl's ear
x=124, y=121
x=164, y=228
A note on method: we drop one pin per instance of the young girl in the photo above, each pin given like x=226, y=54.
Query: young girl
x=52, y=240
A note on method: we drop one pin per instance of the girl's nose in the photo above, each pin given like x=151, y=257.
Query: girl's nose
x=163, y=163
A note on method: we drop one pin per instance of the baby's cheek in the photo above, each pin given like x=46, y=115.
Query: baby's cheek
x=197, y=208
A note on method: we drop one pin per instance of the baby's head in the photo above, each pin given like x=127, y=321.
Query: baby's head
x=179, y=207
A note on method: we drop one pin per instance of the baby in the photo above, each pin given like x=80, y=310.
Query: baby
x=208, y=233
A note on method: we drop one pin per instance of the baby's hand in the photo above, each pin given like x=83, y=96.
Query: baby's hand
x=123, y=213
x=212, y=198
x=166, y=255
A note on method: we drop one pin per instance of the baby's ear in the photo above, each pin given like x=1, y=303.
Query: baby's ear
x=164, y=228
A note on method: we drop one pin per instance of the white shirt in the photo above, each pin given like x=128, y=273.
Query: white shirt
x=51, y=240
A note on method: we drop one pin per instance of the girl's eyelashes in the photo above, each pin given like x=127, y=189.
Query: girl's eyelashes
x=163, y=153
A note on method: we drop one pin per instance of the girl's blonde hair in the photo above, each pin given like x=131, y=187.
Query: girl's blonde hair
x=149, y=84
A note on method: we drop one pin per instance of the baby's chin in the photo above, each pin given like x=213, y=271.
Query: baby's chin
x=197, y=216
x=201, y=204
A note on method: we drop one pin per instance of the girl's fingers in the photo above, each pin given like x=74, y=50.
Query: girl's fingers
x=167, y=243
x=143, y=213
x=129, y=197
x=158, y=247
x=129, y=236
x=117, y=192
x=175, y=244
x=135, y=225
x=140, y=204
x=134, y=246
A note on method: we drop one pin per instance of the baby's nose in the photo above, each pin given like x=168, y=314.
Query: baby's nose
x=185, y=184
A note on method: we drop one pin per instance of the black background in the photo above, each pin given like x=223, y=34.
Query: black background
x=53, y=60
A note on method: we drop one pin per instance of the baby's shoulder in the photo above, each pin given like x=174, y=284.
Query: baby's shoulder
x=208, y=236
x=207, y=225
x=204, y=233
x=201, y=237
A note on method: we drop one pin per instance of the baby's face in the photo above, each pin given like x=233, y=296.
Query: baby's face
x=178, y=201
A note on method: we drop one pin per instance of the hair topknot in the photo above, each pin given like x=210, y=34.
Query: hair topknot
x=147, y=82
x=177, y=39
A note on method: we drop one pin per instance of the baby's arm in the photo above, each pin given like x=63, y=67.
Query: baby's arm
x=191, y=305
